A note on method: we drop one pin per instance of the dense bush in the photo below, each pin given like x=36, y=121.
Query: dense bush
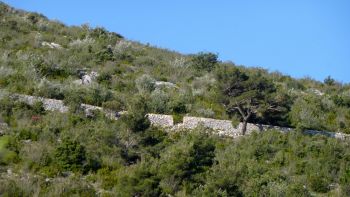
x=204, y=61
x=70, y=155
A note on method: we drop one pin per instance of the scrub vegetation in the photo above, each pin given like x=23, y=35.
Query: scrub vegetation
x=46, y=153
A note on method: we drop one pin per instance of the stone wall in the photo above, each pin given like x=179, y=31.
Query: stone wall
x=161, y=120
x=49, y=104
x=336, y=135
x=223, y=127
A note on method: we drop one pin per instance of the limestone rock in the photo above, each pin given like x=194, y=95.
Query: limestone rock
x=160, y=84
x=161, y=120
x=86, y=79
x=51, y=45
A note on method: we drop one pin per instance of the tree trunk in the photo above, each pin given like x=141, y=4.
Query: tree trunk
x=245, y=117
x=244, y=127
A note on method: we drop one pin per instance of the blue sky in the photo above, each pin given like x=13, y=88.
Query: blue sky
x=296, y=37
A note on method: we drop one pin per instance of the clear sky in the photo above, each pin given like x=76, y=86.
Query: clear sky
x=296, y=37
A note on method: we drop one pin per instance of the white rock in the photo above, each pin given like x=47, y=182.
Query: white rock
x=159, y=84
x=161, y=120
x=51, y=45
x=55, y=45
x=317, y=92
x=88, y=78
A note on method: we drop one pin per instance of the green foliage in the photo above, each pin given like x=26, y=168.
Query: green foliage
x=160, y=102
x=70, y=155
x=46, y=70
x=329, y=81
x=137, y=180
x=104, y=55
x=145, y=84
x=38, y=108
x=183, y=162
x=104, y=78
x=114, y=105
x=260, y=170
x=250, y=96
x=204, y=61
x=6, y=155
x=136, y=118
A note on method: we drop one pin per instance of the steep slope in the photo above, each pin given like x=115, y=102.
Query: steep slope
x=46, y=153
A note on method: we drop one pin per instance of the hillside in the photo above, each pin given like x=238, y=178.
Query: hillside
x=49, y=153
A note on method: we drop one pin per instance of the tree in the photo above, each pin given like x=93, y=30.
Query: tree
x=329, y=81
x=205, y=61
x=247, y=95
x=136, y=118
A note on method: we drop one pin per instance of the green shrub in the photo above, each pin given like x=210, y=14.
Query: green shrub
x=113, y=105
x=104, y=78
x=136, y=118
x=319, y=183
x=159, y=102
x=6, y=156
x=104, y=55
x=38, y=108
x=70, y=155
x=204, y=61
x=145, y=84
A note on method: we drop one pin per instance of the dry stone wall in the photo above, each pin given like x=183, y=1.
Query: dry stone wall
x=223, y=127
x=49, y=104
x=161, y=120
